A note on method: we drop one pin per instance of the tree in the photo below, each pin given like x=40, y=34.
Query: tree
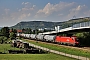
x=5, y=32
x=45, y=30
x=13, y=34
x=83, y=38
x=27, y=30
x=3, y=39
x=15, y=31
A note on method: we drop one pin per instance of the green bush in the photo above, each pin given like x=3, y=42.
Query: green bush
x=3, y=39
x=12, y=35
x=83, y=38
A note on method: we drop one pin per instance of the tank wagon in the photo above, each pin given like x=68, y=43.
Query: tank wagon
x=33, y=36
x=27, y=35
x=53, y=38
x=49, y=38
x=40, y=37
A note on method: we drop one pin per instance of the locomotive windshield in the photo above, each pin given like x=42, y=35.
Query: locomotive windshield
x=76, y=39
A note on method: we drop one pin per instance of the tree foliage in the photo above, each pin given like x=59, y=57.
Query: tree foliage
x=84, y=38
x=3, y=39
x=5, y=32
x=27, y=30
x=31, y=31
x=13, y=34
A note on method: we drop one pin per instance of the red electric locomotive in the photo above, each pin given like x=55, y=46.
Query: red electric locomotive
x=67, y=40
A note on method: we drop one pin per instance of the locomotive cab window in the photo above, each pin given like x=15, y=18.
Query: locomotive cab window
x=73, y=38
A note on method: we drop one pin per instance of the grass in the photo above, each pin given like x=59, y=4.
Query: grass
x=33, y=57
x=63, y=49
x=5, y=47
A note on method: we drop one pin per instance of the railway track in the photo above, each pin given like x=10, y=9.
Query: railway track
x=80, y=57
x=60, y=53
x=79, y=48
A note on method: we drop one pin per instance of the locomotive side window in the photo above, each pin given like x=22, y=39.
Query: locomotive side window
x=73, y=38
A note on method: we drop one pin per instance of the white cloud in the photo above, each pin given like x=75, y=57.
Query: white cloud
x=47, y=9
x=6, y=10
x=87, y=13
x=25, y=3
x=34, y=5
x=23, y=13
x=78, y=11
x=60, y=14
x=29, y=14
x=62, y=11
x=25, y=9
x=50, y=12
x=27, y=6
x=22, y=16
x=52, y=8
x=22, y=3
x=78, y=8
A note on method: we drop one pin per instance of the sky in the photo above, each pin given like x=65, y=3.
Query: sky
x=15, y=11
